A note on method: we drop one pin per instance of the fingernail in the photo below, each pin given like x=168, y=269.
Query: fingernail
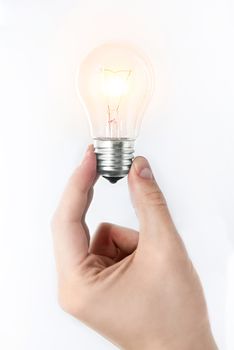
x=89, y=152
x=143, y=168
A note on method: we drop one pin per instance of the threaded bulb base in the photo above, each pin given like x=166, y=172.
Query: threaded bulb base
x=114, y=157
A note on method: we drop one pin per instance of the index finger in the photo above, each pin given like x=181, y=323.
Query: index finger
x=70, y=236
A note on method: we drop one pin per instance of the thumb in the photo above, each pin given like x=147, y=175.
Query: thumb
x=149, y=203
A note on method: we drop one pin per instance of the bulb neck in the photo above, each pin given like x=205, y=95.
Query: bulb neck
x=114, y=157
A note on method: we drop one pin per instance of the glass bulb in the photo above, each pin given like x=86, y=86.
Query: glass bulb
x=115, y=83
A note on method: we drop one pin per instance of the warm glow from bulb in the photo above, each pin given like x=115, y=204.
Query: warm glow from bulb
x=115, y=83
x=115, y=87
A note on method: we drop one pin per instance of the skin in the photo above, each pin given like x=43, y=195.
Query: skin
x=138, y=289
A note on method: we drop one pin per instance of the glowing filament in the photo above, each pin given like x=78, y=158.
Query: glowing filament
x=115, y=83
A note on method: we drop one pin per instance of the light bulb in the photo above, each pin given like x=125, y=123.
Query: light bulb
x=115, y=83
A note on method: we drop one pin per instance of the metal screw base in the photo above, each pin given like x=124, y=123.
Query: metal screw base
x=114, y=157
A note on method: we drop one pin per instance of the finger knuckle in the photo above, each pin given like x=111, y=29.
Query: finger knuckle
x=155, y=198
x=103, y=226
x=56, y=220
x=53, y=223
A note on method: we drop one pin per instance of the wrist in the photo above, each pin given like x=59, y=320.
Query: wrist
x=197, y=341
x=201, y=341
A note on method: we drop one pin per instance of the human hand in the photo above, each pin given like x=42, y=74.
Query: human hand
x=140, y=291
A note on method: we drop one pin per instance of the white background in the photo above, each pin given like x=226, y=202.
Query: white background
x=187, y=134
